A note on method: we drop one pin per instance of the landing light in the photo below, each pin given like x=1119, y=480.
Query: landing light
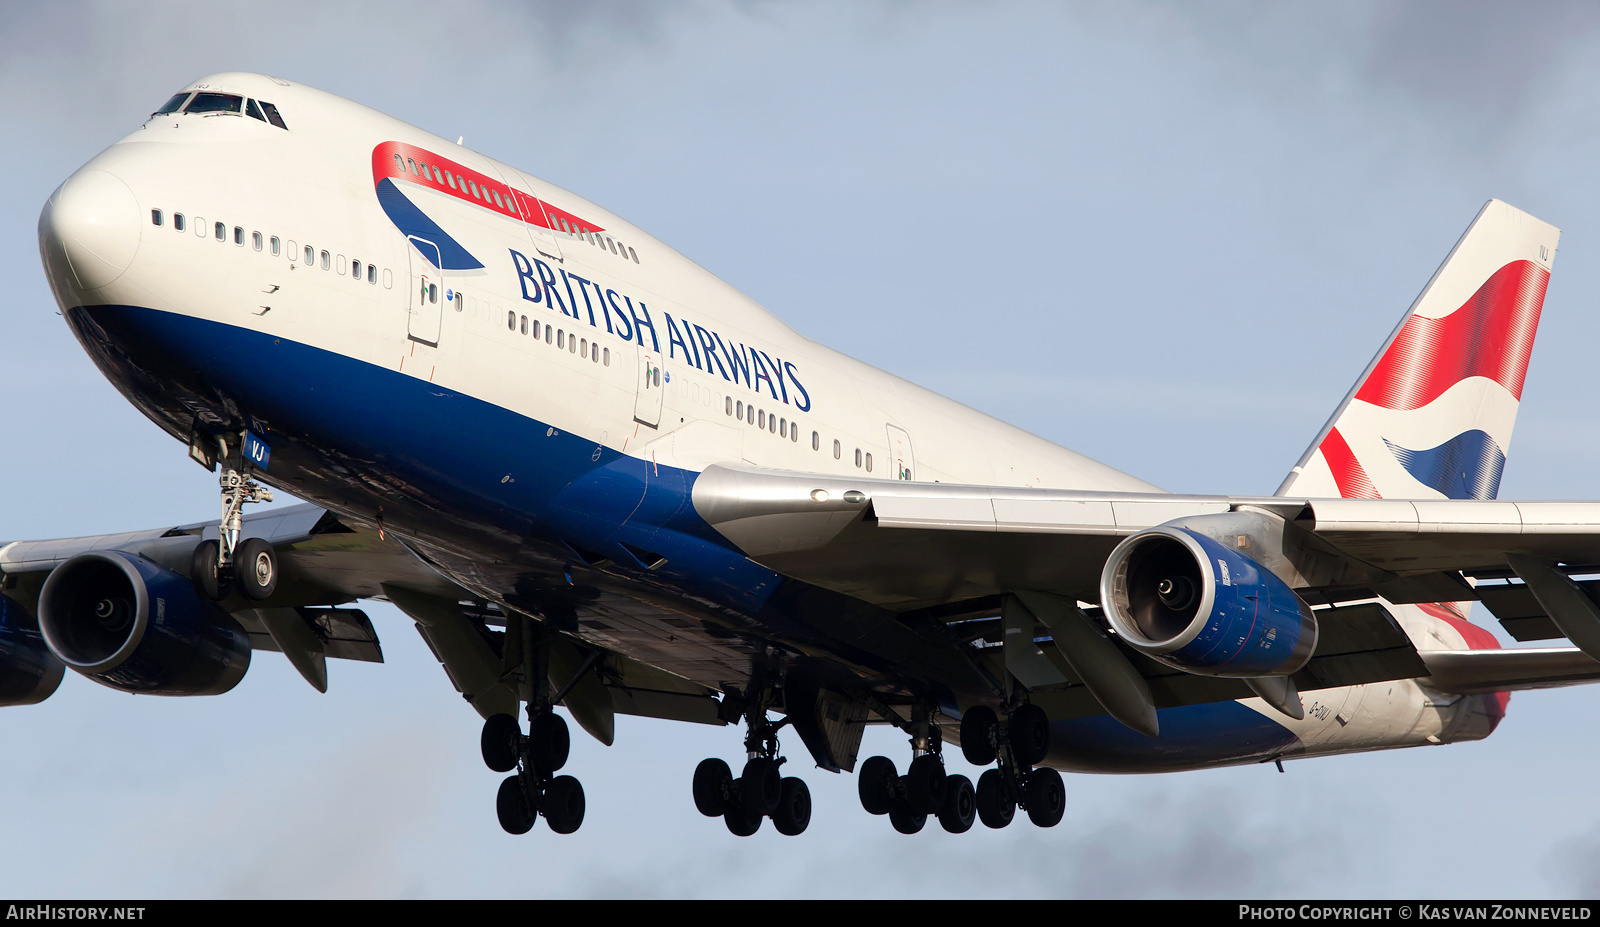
x=819, y=495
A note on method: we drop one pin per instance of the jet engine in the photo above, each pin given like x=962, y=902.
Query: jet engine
x=1196, y=605
x=131, y=624
x=29, y=673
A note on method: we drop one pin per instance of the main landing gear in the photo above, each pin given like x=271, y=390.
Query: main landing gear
x=926, y=789
x=533, y=790
x=761, y=790
x=251, y=565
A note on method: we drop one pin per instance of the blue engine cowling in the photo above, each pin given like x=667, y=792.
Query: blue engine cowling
x=1180, y=597
x=132, y=624
x=29, y=672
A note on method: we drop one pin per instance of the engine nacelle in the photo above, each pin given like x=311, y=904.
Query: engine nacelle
x=131, y=624
x=29, y=672
x=1180, y=597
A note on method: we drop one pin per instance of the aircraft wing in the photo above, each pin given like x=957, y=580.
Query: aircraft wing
x=908, y=546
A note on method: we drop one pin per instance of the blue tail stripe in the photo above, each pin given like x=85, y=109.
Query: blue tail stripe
x=1467, y=466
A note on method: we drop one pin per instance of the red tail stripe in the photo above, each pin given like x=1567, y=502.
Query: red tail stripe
x=1348, y=474
x=1491, y=335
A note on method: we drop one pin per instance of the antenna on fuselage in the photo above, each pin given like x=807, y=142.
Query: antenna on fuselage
x=461, y=140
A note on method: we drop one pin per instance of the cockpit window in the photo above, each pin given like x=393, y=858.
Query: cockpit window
x=172, y=105
x=272, y=114
x=253, y=111
x=215, y=103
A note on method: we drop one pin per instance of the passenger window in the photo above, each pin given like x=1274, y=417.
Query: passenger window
x=728, y=401
x=341, y=265
x=511, y=321
x=561, y=338
x=738, y=410
x=277, y=246
x=835, y=448
x=326, y=263
x=411, y=166
x=177, y=221
x=220, y=230
x=761, y=419
x=858, y=456
x=238, y=235
x=583, y=347
x=273, y=115
x=607, y=361
x=355, y=269
x=524, y=325
x=399, y=162
x=633, y=254
x=594, y=353
x=869, y=463
x=783, y=428
x=372, y=273
x=433, y=293
x=497, y=200
x=437, y=176
x=450, y=179
x=772, y=424
x=474, y=187
x=424, y=166
x=816, y=441
x=155, y=217
x=255, y=240
x=750, y=414
x=253, y=111
x=572, y=345
x=612, y=245
x=311, y=255
x=794, y=433
x=388, y=279
x=536, y=329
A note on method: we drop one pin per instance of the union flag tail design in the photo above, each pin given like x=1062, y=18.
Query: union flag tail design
x=1432, y=414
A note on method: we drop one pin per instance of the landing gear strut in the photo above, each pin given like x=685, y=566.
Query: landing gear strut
x=218, y=565
x=1017, y=779
x=924, y=790
x=533, y=790
x=761, y=790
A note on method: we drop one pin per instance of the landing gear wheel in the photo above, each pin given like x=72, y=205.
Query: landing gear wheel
x=255, y=568
x=760, y=787
x=960, y=805
x=980, y=735
x=904, y=819
x=995, y=805
x=517, y=814
x=564, y=804
x=203, y=571
x=794, y=808
x=875, y=784
x=740, y=822
x=713, y=785
x=925, y=784
x=499, y=742
x=548, y=743
x=1047, y=797
x=1029, y=735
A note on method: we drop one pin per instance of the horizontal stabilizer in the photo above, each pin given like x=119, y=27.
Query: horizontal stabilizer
x=1473, y=672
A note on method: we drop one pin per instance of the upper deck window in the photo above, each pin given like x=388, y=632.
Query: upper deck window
x=172, y=105
x=272, y=114
x=215, y=103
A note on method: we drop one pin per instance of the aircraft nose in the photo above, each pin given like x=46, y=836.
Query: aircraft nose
x=89, y=229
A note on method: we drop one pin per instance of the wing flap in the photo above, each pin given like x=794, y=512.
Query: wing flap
x=1473, y=672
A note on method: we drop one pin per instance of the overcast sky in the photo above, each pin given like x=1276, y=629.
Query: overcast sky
x=1166, y=236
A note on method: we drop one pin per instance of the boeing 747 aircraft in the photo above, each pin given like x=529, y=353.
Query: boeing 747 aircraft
x=598, y=477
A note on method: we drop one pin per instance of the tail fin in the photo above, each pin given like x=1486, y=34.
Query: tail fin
x=1432, y=414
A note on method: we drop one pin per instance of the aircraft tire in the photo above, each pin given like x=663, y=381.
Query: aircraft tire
x=1047, y=797
x=548, y=742
x=203, y=572
x=255, y=569
x=516, y=813
x=498, y=742
x=905, y=819
x=564, y=804
x=960, y=805
x=794, y=808
x=875, y=784
x=760, y=787
x=740, y=822
x=995, y=806
x=980, y=735
x=713, y=786
x=924, y=786
x=1029, y=733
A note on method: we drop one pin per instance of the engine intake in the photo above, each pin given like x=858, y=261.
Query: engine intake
x=134, y=625
x=1185, y=600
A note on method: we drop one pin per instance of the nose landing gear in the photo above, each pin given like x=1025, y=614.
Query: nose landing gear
x=217, y=566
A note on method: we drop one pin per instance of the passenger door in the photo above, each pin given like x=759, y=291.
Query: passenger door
x=426, y=299
x=900, y=453
x=650, y=388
